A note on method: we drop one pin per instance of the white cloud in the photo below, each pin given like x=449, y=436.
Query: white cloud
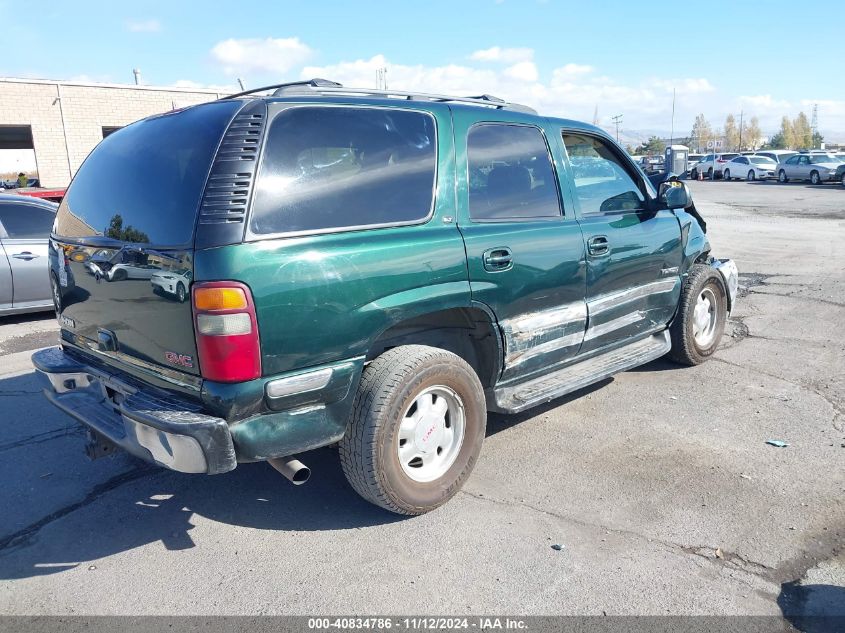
x=143, y=26
x=270, y=55
x=523, y=71
x=570, y=71
x=504, y=55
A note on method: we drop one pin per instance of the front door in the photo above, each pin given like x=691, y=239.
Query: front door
x=26, y=229
x=525, y=252
x=634, y=253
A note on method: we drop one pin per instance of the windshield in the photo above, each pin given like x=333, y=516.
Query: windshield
x=761, y=160
x=142, y=184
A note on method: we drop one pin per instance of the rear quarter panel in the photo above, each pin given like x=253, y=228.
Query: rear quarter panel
x=321, y=298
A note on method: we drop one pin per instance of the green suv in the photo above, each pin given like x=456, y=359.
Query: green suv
x=371, y=269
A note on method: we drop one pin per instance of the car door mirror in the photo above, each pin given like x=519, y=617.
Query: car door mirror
x=675, y=195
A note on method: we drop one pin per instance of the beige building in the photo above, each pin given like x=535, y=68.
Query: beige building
x=62, y=121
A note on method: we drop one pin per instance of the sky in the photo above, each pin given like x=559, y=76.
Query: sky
x=564, y=58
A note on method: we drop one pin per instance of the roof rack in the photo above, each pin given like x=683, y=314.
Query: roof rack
x=326, y=87
x=313, y=83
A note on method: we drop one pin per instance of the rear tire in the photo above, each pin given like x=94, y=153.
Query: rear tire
x=120, y=275
x=694, y=174
x=750, y=176
x=842, y=180
x=782, y=176
x=710, y=173
x=700, y=322
x=401, y=394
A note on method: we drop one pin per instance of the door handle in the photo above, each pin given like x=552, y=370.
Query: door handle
x=498, y=259
x=598, y=245
x=25, y=255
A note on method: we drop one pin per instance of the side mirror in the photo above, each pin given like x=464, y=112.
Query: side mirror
x=675, y=196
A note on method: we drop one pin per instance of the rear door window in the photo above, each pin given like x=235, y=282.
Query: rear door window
x=26, y=221
x=510, y=173
x=329, y=168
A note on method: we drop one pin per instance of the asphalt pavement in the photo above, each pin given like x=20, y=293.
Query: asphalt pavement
x=658, y=484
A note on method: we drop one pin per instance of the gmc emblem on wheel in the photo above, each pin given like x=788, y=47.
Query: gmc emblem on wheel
x=182, y=360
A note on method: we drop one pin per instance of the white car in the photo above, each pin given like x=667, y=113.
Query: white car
x=750, y=168
x=173, y=282
x=711, y=165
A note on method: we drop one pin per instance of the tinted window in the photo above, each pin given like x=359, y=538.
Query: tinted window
x=26, y=221
x=335, y=167
x=143, y=182
x=510, y=173
x=602, y=184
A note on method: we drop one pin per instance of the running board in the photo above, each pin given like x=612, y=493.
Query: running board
x=516, y=398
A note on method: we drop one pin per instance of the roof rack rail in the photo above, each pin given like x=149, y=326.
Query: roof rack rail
x=326, y=87
x=312, y=83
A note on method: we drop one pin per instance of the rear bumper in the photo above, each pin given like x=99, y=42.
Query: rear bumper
x=149, y=423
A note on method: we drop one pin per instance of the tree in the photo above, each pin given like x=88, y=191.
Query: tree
x=654, y=145
x=731, y=134
x=818, y=139
x=631, y=151
x=787, y=135
x=116, y=231
x=701, y=133
x=802, y=132
x=752, y=135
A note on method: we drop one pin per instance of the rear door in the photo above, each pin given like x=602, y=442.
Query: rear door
x=25, y=232
x=524, y=251
x=633, y=252
x=135, y=201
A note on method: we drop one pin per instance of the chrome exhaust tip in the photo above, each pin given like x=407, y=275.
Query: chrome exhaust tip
x=294, y=470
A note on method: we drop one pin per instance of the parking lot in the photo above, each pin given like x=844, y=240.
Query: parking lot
x=658, y=484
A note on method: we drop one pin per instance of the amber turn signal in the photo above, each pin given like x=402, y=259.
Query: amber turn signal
x=210, y=299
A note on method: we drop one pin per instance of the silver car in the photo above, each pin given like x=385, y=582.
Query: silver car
x=25, y=225
x=817, y=168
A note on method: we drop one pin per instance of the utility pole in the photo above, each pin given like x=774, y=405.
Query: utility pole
x=617, y=120
x=814, y=122
x=672, y=132
x=137, y=73
x=740, y=130
x=241, y=83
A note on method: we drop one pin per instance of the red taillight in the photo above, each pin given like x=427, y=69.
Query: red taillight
x=226, y=330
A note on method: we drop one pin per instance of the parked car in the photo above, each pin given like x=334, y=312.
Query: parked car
x=25, y=225
x=357, y=299
x=750, y=168
x=817, y=168
x=711, y=165
x=692, y=161
x=173, y=282
x=127, y=262
x=777, y=155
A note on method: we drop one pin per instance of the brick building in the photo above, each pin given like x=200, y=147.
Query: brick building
x=62, y=121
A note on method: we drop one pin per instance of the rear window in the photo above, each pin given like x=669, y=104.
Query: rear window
x=143, y=183
x=342, y=167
